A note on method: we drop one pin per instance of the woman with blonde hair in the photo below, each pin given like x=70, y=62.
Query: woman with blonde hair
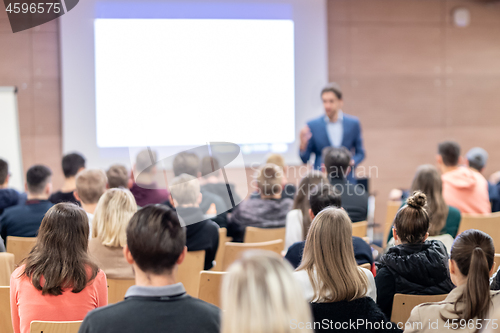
x=298, y=219
x=259, y=294
x=112, y=215
x=340, y=290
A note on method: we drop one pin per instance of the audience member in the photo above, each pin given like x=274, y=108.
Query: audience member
x=288, y=188
x=8, y=196
x=90, y=185
x=211, y=182
x=444, y=219
x=189, y=163
x=415, y=265
x=326, y=196
x=155, y=247
x=58, y=281
x=337, y=163
x=463, y=188
x=477, y=158
x=471, y=302
x=298, y=219
x=118, y=176
x=24, y=220
x=268, y=211
x=201, y=234
x=72, y=164
x=114, y=210
x=340, y=291
x=145, y=189
x=259, y=294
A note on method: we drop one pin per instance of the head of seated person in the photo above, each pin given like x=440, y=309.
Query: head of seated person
x=329, y=257
x=72, y=164
x=269, y=181
x=448, y=157
x=210, y=170
x=188, y=163
x=114, y=210
x=274, y=307
x=118, y=176
x=477, y=158
x=185, y=190
x=4, y=174
x=428, y=180
x=60, y=254
x=38, y=182
x=411, y=224
x=144, y=169
x=90, y=186
x=155, y=245
x=336, y=162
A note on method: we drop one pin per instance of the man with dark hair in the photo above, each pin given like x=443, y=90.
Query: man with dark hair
x=24, y=220
x=8, y=196
x=354, y=196
x=463, y=188
x=155, y=247
x=118, y=176
x=189, y=163
x=71, y=165
x=327, y=196
x=477, y=158
x=334, y=129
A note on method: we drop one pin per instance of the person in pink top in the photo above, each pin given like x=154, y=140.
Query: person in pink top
x=463, y=187
x=57, y=281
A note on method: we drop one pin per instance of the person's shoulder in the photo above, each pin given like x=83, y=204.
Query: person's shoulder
x=452, y=211
x=350, y=118
x=201, y=307
x=297, y=246
x=316, y=121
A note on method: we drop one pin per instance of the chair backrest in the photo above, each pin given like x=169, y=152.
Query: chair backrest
x=55, y=326
x=117, y=288
x=234, y=250
x=403, y=304
x=220, y=250
x=5, y=319
x=368, y=266
x=259, y=235
x=487, y=223
x=6, y=268
x=20, y=247
x=189, y=271
x=359, y=229
x=210, y=286
x=392, y=209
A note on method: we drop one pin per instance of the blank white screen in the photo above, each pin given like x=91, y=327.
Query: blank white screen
x=176, y=82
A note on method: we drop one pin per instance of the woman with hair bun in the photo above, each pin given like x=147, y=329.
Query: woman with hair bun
x=415, y=265
x=469, y=306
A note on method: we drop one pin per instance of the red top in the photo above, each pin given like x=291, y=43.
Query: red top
x=28, y=304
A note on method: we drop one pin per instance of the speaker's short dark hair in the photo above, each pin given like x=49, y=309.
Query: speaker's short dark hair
x=450, y=152
x=4, y=170
x=337, y=161
x=71, y=163
x=332, y=89
x=324, y=196
x=155, y=238
x=37, y=177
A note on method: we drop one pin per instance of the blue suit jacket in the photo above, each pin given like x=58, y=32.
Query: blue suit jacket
x=352, y=139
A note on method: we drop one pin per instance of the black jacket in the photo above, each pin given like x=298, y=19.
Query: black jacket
x=354, y=198
x=417, y=269
x=200, y=234
x=359, y=315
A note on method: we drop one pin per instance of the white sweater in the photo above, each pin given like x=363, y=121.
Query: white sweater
x=293, y=228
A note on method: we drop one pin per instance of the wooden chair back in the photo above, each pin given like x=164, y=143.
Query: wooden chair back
x=55, y=326
x=403, y=304
x=20, y=247
x=487, y=223
x=359, y=229
x=210, y=286
x=219, y=257
x=189, y=271
x=259, y=235
x=6, y=268
x=117, y=288
x=392, y=209
x=234, y=250
x=5, y=319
